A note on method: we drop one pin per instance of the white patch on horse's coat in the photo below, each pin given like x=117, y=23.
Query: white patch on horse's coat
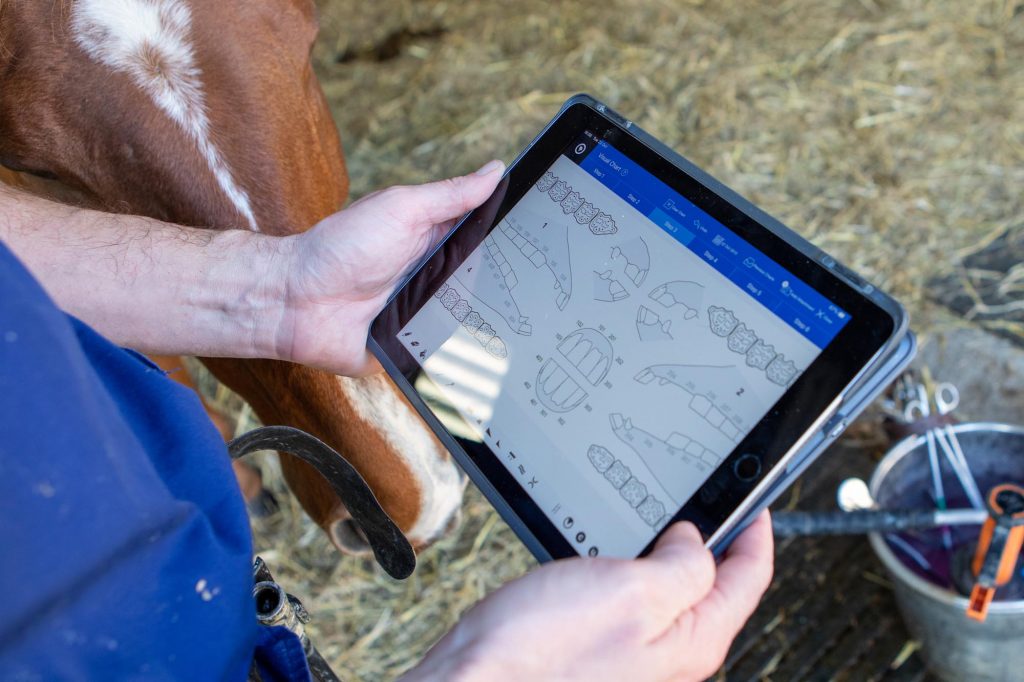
x=150, y=41
x=377, y=402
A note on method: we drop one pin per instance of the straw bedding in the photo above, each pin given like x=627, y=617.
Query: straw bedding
x=890, y=132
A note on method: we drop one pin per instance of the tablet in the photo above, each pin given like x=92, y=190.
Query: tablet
x=615, y=341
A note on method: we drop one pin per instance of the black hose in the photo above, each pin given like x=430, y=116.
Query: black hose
x=787, y=524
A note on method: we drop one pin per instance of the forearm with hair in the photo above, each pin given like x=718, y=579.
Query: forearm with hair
x=149, y=285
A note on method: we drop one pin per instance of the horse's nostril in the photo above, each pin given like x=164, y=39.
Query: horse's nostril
x=349, y=537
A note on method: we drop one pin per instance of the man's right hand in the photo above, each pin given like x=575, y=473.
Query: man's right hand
x=669, y=616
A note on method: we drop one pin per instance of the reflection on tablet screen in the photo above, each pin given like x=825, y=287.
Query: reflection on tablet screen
x=612, y=344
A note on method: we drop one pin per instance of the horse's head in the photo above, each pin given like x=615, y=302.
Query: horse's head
x=209, y=114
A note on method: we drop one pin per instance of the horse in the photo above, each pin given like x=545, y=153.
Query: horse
x=209, y=114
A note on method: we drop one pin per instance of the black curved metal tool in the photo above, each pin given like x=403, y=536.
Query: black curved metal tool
x=390, y=547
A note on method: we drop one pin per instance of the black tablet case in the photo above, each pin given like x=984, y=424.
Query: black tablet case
x=890, y=361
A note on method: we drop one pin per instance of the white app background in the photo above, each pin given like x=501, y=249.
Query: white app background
x=608, y=367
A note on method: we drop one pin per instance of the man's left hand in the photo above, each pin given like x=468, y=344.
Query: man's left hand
x=337, y=276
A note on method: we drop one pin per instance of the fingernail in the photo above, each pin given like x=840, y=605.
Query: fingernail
x=490, y=167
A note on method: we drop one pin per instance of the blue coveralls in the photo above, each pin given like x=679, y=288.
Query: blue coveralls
x=125, y=550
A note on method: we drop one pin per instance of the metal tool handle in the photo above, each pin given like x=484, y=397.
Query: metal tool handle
x=861, y=522
x=275, y=607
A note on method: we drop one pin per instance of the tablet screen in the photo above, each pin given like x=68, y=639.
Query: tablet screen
x=612, y=343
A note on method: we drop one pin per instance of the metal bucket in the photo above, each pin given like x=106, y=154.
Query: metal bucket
x=954, y=646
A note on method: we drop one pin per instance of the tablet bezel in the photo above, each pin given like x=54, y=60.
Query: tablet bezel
x=875, y=321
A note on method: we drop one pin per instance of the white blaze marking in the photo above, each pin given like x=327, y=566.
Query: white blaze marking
x=150, y=41
x=377, y=403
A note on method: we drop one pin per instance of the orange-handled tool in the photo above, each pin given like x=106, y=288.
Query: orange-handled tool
x=999, y=545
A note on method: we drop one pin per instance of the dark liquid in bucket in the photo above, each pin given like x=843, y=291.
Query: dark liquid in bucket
x=943, y=564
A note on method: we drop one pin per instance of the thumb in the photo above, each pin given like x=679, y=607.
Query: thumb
x=682, y=566
x=438, y=202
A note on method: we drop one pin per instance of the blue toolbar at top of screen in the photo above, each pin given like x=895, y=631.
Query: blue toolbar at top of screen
x=774, y=287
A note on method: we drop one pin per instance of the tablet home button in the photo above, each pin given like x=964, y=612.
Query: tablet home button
x=747, y=467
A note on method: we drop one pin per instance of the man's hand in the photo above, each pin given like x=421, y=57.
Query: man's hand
x=310, y=298
x=338, y=275
x=172, y=290
x=669, y=616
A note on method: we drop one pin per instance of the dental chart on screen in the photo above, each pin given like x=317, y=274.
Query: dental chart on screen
x=612, y=344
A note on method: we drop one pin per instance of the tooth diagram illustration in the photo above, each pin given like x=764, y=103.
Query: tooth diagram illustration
x=586, y=213
x=652, y=511
x=583, y=357
x=760, y=355
x=560, y=191
x=556, y=390
x=700, y=403
x=494, y=285
x=546, y=182
x=546, y=246
x=672, y=462
x=781, y=371
x=603, y=224
x=471, y=320
x=632, y=489
x=590, y=352
x=575, y=204
x=689, y=295
x=572, y=202
x=743, y=340
x=607, y=288
x=637, y=257
x=600, y=457
x=650, y=326
x=617, y=474
x=722, y=321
